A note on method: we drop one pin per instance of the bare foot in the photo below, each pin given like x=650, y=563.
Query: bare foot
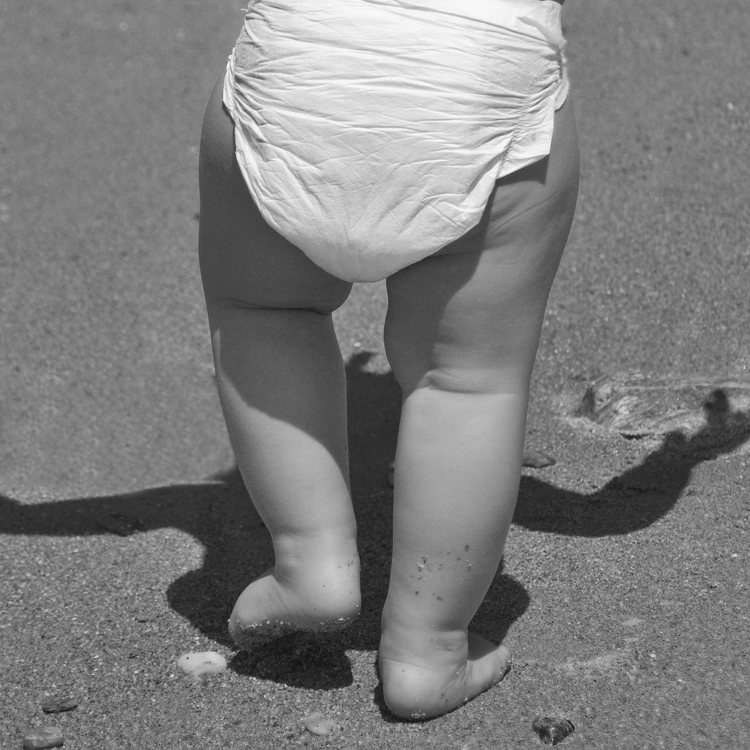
x=417, y=685
x=315, y=598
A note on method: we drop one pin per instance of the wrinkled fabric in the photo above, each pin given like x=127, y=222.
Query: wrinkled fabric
x=371, y=132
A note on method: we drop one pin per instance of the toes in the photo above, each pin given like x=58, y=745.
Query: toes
x=506, y=661
x=488, y=663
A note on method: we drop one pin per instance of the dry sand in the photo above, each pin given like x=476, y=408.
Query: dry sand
x=126, y=534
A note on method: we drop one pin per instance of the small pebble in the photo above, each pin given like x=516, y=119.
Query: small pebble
x=315, y=723
x=120, y=524
x=58, y=704
x=552, y=729
x=537, y=459
x=42, y=738
x=197, y=664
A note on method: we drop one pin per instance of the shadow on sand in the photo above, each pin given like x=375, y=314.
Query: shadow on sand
x=219, y=515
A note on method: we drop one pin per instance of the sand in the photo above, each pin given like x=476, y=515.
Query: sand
x=126, y=533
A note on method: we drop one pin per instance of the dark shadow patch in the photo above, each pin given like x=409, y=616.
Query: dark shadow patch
x=302, y=660
x=221, y=517
x=639, y=496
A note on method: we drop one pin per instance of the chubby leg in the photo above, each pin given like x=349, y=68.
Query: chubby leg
x=461, y=335
x=282, y=388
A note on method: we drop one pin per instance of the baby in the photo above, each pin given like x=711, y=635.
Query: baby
x=433, y=145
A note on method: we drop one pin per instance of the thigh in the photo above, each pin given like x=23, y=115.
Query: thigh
x=469, y=316
x=243, y=260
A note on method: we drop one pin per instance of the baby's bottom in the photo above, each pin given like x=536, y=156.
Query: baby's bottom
x=461, y=336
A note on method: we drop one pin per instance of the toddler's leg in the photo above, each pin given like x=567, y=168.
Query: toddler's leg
x=282, y=388
x=461, y=335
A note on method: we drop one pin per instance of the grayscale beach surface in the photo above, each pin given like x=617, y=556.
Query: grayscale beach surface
x=126, y=534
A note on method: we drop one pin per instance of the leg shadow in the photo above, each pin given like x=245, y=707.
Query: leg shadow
x=220, y=516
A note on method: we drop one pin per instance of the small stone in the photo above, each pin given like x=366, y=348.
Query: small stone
x=552, y=729
x=58, y=704
x=537, y=459
x=317, y=724
x=196, y=664
x=37, y=739
x=121, y=524
x=632, y=622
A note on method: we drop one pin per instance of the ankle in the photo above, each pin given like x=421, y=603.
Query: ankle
x=298, y=552
x=323, y=578
x=424, y=649
x=304, y=559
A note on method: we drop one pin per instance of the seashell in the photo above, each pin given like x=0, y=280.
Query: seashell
x=58, y=704
x=197, y=664
x=537, y=459
x=316, y=723
x=552, y=729
x=39, y=739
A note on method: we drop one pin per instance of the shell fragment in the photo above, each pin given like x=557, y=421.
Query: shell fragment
x=196, y=664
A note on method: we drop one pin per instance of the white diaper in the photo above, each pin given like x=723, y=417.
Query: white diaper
x=371, y=132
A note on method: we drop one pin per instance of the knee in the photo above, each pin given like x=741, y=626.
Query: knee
x=406, y=361
x=414, y=353
x=481, y=370
x=283, y=301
